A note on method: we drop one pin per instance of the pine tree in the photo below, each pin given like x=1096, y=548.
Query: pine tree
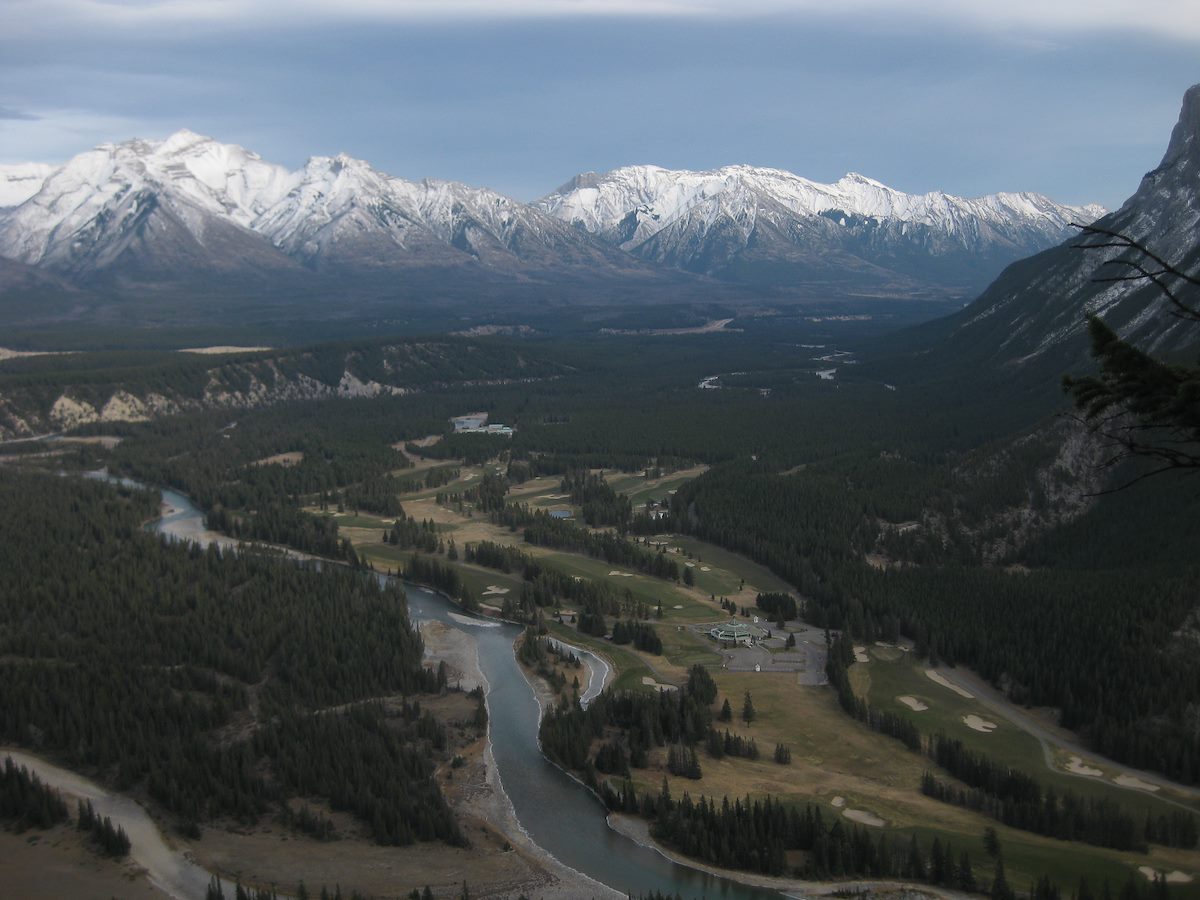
x=1000, y=889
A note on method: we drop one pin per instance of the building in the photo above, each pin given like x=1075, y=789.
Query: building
x=477, y=423
x=737, y=633
x=470, y=422
x=561, y=514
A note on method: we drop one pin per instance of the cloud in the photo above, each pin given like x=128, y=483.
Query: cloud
x=56, y=135
x=17, y=115
x=1173, y=19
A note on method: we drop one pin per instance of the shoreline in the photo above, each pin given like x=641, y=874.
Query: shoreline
x=637, y=830
x=569, y=883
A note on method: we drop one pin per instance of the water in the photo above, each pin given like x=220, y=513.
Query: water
x=556, y=811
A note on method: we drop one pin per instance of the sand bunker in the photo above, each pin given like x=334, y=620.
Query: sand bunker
x=690, y=565
x=677, y=606
x=614, y=572
x=217, y=351
x=1175, y=877
x=658, y=686
x=862, y=817
x=1076, y=767
x=494, y=589
x=913, y=703
x=860, y=654
x=838, y=802
x=939, y=678
x=477, y=623
x=977, y=724
x=705, y=569
x=626, y=574
x=1130, y=781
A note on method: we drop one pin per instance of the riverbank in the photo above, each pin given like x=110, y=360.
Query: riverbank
x=486, y=800
x=637, y=830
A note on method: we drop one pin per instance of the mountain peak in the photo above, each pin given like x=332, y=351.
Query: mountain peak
x=1037, y=309
x=1183, y=150
x=180, y=140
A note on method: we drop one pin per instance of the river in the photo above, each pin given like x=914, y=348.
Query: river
x=557, y=812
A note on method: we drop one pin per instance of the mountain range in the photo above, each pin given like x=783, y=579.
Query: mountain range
x=190, y=215
x=758, y=225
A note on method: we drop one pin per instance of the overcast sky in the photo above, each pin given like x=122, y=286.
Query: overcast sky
x=1072, y=98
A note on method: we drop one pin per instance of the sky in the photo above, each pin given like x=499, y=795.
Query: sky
x=1071, y=98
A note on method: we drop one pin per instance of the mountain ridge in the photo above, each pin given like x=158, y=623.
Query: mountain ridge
x=201, y=218
x=724, y=221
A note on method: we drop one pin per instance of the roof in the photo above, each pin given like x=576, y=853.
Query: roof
x=736, y=630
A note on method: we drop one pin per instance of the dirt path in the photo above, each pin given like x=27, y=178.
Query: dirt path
x=168, y=869
x=1049, y=739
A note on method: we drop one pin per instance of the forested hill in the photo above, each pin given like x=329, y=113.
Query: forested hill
x=218, y=686
x=43, y=394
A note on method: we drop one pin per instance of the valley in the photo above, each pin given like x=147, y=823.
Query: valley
x=679, y=533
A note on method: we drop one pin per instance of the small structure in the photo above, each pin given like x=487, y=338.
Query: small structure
x=560, y=514
x=477, y=423
x=470, y=422
x=737, y=633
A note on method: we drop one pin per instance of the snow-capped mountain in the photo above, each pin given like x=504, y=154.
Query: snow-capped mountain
x=192, y=216
x=21, y=181
x=1037, y=309
x=150, y=207
x=744, y=223
x=342, y=213
x=190, y=202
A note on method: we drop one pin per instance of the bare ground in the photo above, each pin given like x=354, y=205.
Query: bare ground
x=57, y=865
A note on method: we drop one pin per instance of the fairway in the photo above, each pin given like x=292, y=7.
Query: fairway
x=835, y=756
x=890, y=675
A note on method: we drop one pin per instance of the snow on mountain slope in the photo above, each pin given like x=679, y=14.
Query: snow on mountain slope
x=21, y=181
x=342, y=211
x=654, y=197
x=169, y=204
x=189, y=209
x=717, y=220
x=166, y=202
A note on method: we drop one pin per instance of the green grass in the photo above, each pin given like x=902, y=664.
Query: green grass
x=728, y=569
x=362, y=521
x=646, y=588
x=478, y=581
x=639, y=492
x=683, y=647
x=1027, y=857
x=1007, y=744
x=629, y=666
